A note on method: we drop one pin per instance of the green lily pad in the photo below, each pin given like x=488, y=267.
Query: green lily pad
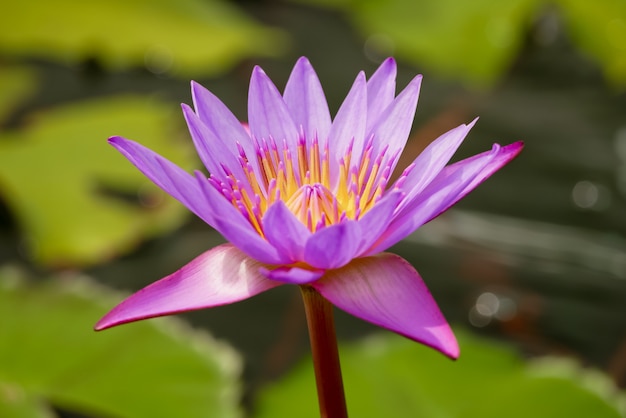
x=56, y=174
x=16, y=84
x=51, y=357
x=391, y=376
x=15, y=403
x=599, y=29
x=186, y=37
x=471, y=40
x=477, y=41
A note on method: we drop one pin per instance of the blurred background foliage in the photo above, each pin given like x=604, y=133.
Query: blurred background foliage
x=476, y=42
x=534, y=259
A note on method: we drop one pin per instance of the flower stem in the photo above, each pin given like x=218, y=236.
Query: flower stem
x=319, y=316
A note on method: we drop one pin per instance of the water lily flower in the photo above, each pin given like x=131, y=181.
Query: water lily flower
x=307, y=200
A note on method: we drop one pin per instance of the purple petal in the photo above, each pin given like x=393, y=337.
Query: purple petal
x=268, y=115
x=349, y=125
x=220, y=276
x=381, y=90
x=292, y=275
x=376, y=221
x=212, y=149
x=452, y=183
x=394, y=124
x=504, y=156
x=165, y=174
x=432, y=160
x=306, y=102
x=285, y=232
x=333, y=246
x=387, y=291
x=220, y=120
x=233, y=226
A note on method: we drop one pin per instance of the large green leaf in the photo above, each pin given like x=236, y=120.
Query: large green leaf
x=184, y=37
x=392, y=377
x=16, y=403
x=50, y=355
x=16, y=84
x=470, y=40
x=599, y=28
x=54, y=170
x=476, y=41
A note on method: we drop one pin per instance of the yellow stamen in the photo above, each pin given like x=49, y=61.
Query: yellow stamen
x=304, y=184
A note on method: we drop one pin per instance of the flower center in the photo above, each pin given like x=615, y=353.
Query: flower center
x=318, y=194
x=315, y=206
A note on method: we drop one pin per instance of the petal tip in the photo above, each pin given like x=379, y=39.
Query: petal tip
x=303, y=61
x=116, y=140
x=450, y=347
x=389, y=64
x=257, y=71
x=103, y=324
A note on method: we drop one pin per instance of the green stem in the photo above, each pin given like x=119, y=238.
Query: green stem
x=319, y=315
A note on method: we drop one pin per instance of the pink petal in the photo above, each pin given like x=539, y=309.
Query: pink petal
x=232, y=225
x=504, y=155
x=292, y=275
x=381, y=90
x=223, y=124
x=268, y=115
x=333, y=246
x=285, y=232
x=220, y=120
x=307, y=104
x=349, y=125
x=393, y=126
x=432, y=160
x=450, y=185
x=387, y=291
x=165, y=174
x=376, y=220
x=214, y=150
x=220, y=276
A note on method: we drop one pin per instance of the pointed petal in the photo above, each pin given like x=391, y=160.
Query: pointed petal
x=452, y=183
x=503, y=156
x=387, y=291
x=376, y=221
x=218, y=118
x=349, y=124
x=232, y=225
x=432, y=160
x=333, y=246
x=285, y=232
x=268, y=115
x=381, y=90
x=165, y=174
x=220, y=276
x=292, y=275
x=222, y=123
x=213, y=151
x=394, y=124
x=306, y=102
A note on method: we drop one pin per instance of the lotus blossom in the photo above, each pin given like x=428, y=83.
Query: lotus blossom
x=307, y=200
